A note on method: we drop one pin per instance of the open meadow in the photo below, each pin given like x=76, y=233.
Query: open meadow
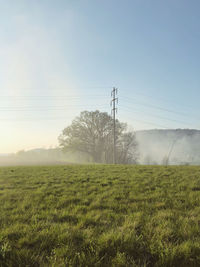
x=100, y=215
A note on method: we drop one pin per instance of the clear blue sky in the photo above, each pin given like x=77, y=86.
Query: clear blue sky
x=55, y=52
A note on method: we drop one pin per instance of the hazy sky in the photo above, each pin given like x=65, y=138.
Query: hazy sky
x=58, y=58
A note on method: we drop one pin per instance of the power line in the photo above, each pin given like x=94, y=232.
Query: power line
x=77, y=97
x=160, y=99
x=158, y=107
x=55, y=96
x=51, y=108
x=152, y=115
x=35, y=119
x=113, y=112
x=148, y=122
x=97, y=96
x=65, y=89
x=64, y=118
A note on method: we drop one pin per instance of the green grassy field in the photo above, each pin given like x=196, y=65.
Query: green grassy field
x=96, y=215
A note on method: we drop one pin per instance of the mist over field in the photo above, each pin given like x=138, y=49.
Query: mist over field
x=40, y=156
x=180, y=146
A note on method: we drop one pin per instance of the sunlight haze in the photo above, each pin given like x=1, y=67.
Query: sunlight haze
x=59, y=58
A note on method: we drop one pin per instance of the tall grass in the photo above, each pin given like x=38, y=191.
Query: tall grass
x=100, y=216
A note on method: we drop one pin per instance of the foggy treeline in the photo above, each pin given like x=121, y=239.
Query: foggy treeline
x=41, y=156
x=181, y=146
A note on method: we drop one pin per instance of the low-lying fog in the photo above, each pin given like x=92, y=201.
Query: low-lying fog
x=181, y=146
x=155, y=147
